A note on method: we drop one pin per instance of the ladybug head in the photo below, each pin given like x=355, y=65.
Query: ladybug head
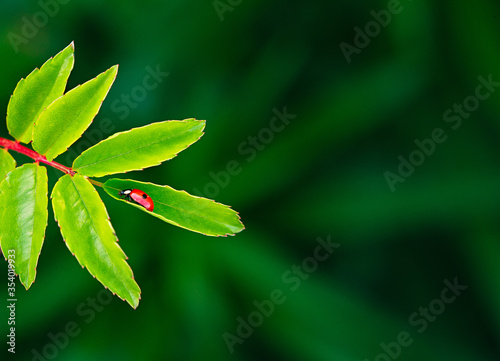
x=125, y=192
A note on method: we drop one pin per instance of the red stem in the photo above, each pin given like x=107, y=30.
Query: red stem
x=15, y=146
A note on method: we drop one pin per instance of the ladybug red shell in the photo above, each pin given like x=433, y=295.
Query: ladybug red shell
x=139, y=197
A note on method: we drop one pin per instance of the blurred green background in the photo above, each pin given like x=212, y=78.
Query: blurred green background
x=235, y=63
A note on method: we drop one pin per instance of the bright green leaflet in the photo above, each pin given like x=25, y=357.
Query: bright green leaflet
x=35, y=93
x=139, y=148
x=182, y=209
x=68, y=117
x=23, y=218
x=88, y=233
x=7, y=163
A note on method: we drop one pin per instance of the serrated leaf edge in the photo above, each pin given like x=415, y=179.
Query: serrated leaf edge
x=44, y=231
x=115, y=243
x=23, y=80
x=233, y=212
x=78, y=169
x=91, y=121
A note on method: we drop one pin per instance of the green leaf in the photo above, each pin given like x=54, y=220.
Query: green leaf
x=182, y=209
x=68, y=117
x=139, y=148
x=7, y=163
x=89, y=235
x=23, y=218
x=35, y=93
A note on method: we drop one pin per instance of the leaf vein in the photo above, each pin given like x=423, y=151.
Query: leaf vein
x=130, y=151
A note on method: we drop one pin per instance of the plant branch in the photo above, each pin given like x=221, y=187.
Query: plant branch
x=15, y=146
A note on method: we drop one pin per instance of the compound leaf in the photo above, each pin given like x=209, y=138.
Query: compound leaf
x=23, y=218
x=182, y=209
x=35, y=93
x=65, y=120
x=7, y=163
x=89, y=235
x=139, y=148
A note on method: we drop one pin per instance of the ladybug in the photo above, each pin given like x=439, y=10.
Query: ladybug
x=139, y=197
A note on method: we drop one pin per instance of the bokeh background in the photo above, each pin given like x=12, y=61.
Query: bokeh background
x=234, y=63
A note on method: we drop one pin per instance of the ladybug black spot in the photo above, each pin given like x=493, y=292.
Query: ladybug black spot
x=144, y=196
